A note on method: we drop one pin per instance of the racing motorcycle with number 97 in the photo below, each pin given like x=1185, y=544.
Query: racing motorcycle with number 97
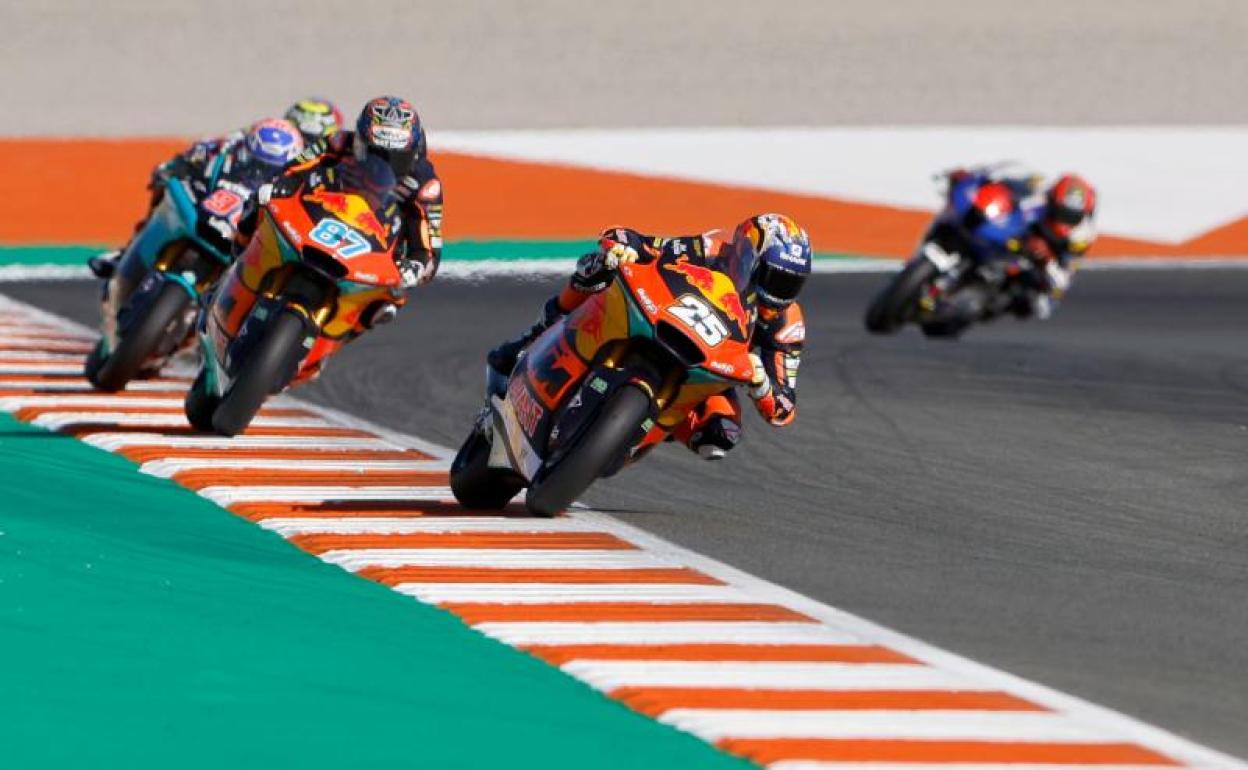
x=151, y=299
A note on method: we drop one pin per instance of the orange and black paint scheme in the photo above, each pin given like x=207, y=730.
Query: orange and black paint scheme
x=286, y=264
x=777, y=336
x=671, y=323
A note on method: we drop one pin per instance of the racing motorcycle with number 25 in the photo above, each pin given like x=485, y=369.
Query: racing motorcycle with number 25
x=607, y=383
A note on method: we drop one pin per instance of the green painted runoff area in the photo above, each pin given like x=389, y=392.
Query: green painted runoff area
x=141, y=626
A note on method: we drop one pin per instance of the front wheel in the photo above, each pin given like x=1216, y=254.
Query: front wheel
x=164, y=318
x=602, y=444
x=274, y=356
x=894, y=304
x=200, y=404
x=474, y=483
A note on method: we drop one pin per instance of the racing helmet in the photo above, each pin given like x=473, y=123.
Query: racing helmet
x=1070, y=200
x=778, y=253
x=389, y=128
x=1070, y=212
x=273, y=142
x=317, y=119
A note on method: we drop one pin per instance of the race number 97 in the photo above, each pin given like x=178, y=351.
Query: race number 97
x=339, y=238
x=694, y=313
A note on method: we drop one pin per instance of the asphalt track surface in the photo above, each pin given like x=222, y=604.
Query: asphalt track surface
x=1067, y=501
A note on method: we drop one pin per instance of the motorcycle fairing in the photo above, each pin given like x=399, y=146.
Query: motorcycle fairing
x=569, y=372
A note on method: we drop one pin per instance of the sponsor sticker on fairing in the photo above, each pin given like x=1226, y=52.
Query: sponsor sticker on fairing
x=649, y=304
x=292, y=232
x=528, y=411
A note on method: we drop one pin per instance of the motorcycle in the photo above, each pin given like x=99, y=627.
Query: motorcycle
x=607, y=383
x=150, y=302
x=965, y=266
x=319, y=271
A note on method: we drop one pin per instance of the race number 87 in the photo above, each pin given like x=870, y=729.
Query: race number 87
x=339, y=238
x=694, y=313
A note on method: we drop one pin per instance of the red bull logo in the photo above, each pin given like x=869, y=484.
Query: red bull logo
x=350, y=209
x=715, y=286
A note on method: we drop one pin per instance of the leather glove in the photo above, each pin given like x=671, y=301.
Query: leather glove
x=594, y=270
x=760, y=383
x=412, y=273
x=618, y=254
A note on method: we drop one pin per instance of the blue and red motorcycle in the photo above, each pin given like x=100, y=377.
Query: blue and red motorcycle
x=968, y=258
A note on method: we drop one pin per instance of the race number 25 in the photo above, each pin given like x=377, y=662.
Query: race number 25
x=339, y=238
x=694, y=313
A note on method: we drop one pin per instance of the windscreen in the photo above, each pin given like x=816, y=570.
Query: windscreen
x=738, y=262
x=371, y=178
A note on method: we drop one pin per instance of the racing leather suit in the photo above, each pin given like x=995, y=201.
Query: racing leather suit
x=714, y=427
x=420, y=207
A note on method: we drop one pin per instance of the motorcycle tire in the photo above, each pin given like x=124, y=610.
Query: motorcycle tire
x=890, y=308
x=261, y=375
x=474, y=483
x=943, y=330
x=600, y=446
x=112, y=372
x=200, y=404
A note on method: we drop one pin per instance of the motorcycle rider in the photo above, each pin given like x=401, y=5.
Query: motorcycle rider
x=314, y=119
x=1054, y=226
x=781, y=254
x=388, y=128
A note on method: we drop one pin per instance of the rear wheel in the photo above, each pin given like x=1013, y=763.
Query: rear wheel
x=200, y=404
x=267, y=365
x=894, y=304
x=602, y=444
x=474, y=483
x=164, y=317
x=947, y=330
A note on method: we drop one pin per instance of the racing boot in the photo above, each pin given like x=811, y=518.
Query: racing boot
x=716, y=437
x=502, y=359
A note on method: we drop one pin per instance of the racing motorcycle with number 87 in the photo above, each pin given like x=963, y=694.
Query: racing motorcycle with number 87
x=319, y=271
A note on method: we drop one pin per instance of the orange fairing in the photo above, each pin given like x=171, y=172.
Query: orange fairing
x=335, y=233
x=678, y=292
x=602, y=326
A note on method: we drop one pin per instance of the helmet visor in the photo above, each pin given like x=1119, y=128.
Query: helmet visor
x=778, y=286
x=1067, y=215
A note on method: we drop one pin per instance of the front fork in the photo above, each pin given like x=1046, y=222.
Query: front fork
x=950, y=267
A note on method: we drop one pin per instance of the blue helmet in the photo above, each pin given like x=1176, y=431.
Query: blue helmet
x=274, y=142
x=779, y=251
